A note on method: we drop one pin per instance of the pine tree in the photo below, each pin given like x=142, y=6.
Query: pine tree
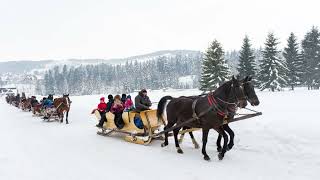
x=311, y=58
x=38, y=88
x=214, y=68
x=49, y=82
x=247, y=66
x=294, y=61
x=272, y=73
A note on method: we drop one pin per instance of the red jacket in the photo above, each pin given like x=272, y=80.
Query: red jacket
x=102, y=107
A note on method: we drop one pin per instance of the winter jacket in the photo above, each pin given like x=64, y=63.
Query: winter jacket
x=117, y=107
x=48, y=103
x=128, y=105
x=142, y=102
x=102, y=107
x=109, y=105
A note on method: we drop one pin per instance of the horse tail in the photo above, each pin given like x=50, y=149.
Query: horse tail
x=161, y=105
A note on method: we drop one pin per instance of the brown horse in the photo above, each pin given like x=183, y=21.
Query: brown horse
x=62, y=105
x=207, y=111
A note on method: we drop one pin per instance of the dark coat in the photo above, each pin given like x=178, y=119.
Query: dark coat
x=142, y=103
x=109, y=105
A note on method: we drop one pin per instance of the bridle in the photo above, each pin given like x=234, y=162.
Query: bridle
x=237, y=99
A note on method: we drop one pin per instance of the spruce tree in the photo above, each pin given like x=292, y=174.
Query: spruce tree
x=272, y=73
x=214, y=68
x=294, y=61
x=247, y=66
x=311, y=55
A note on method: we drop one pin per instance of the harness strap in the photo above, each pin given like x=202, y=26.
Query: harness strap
x=194, y=114
x=212, y=102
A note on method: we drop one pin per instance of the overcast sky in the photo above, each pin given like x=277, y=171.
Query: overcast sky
x=63, y=29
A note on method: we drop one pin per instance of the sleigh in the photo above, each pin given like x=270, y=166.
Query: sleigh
x=49, y=114
x=134, y=134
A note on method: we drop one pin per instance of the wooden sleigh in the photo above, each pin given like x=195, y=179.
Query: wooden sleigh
x=133, y=134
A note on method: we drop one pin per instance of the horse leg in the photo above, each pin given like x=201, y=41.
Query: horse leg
x=166, y=142
x=205, y=133
x=219, y=148
x=196, y=145
x=181, y=138
x=67, y=122
x=60, y=115
x=175, y=134
x=182, y=135
x=231, y=134
x=225, y=143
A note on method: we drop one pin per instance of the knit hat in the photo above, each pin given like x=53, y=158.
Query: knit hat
x=143, y=90
x=110, y=96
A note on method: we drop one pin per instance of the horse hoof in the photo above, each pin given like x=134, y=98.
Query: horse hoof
x=220, y=156
x=180, y=151
x=207, y=158
x=196, y=146
x=164, y=145
x=229, y=147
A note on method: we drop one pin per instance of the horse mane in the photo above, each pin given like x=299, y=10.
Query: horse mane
x=224, y=88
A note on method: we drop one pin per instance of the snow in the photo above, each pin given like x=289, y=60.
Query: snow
x=283, y=143
x=186, y=81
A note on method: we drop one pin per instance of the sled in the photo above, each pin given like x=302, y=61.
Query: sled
x=133, y=134
x=50, y=113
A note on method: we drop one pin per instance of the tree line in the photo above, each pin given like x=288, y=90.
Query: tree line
x=160, y=73
x=297, y=65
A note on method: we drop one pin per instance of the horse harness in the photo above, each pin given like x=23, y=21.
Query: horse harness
x=214, y=105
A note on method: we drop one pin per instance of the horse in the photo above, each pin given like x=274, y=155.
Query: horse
x=252, y=99
x=62, y=105
x=179, y=110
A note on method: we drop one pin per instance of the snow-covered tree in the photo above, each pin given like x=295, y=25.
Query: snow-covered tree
x=214, y=68
x=247, y=66
x=49, y=82
x=272, y=73
x=311, y=58
x=294, y=61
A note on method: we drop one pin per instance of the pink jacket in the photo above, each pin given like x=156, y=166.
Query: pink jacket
x=128, y=104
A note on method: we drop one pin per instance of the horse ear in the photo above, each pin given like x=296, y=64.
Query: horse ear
x=233, y=78
x=246, y=79
x=249, y=78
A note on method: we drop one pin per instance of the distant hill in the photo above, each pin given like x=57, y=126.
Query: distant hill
x=19, y=67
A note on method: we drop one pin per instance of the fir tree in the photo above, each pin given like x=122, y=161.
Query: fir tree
x=311, y=55
x=49, y=82
x=294, y=61
x=247, y=66
x=38, y=88
x=272, y=73
x=214, y=68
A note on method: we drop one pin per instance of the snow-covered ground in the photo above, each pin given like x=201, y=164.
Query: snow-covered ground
x=283, y=143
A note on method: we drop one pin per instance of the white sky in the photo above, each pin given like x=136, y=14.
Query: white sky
x=63, y=29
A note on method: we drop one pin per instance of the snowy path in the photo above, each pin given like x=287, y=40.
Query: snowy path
x=284, y=143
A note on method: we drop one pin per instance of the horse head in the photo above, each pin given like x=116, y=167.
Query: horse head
x=237, y=93
x=250, y=92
